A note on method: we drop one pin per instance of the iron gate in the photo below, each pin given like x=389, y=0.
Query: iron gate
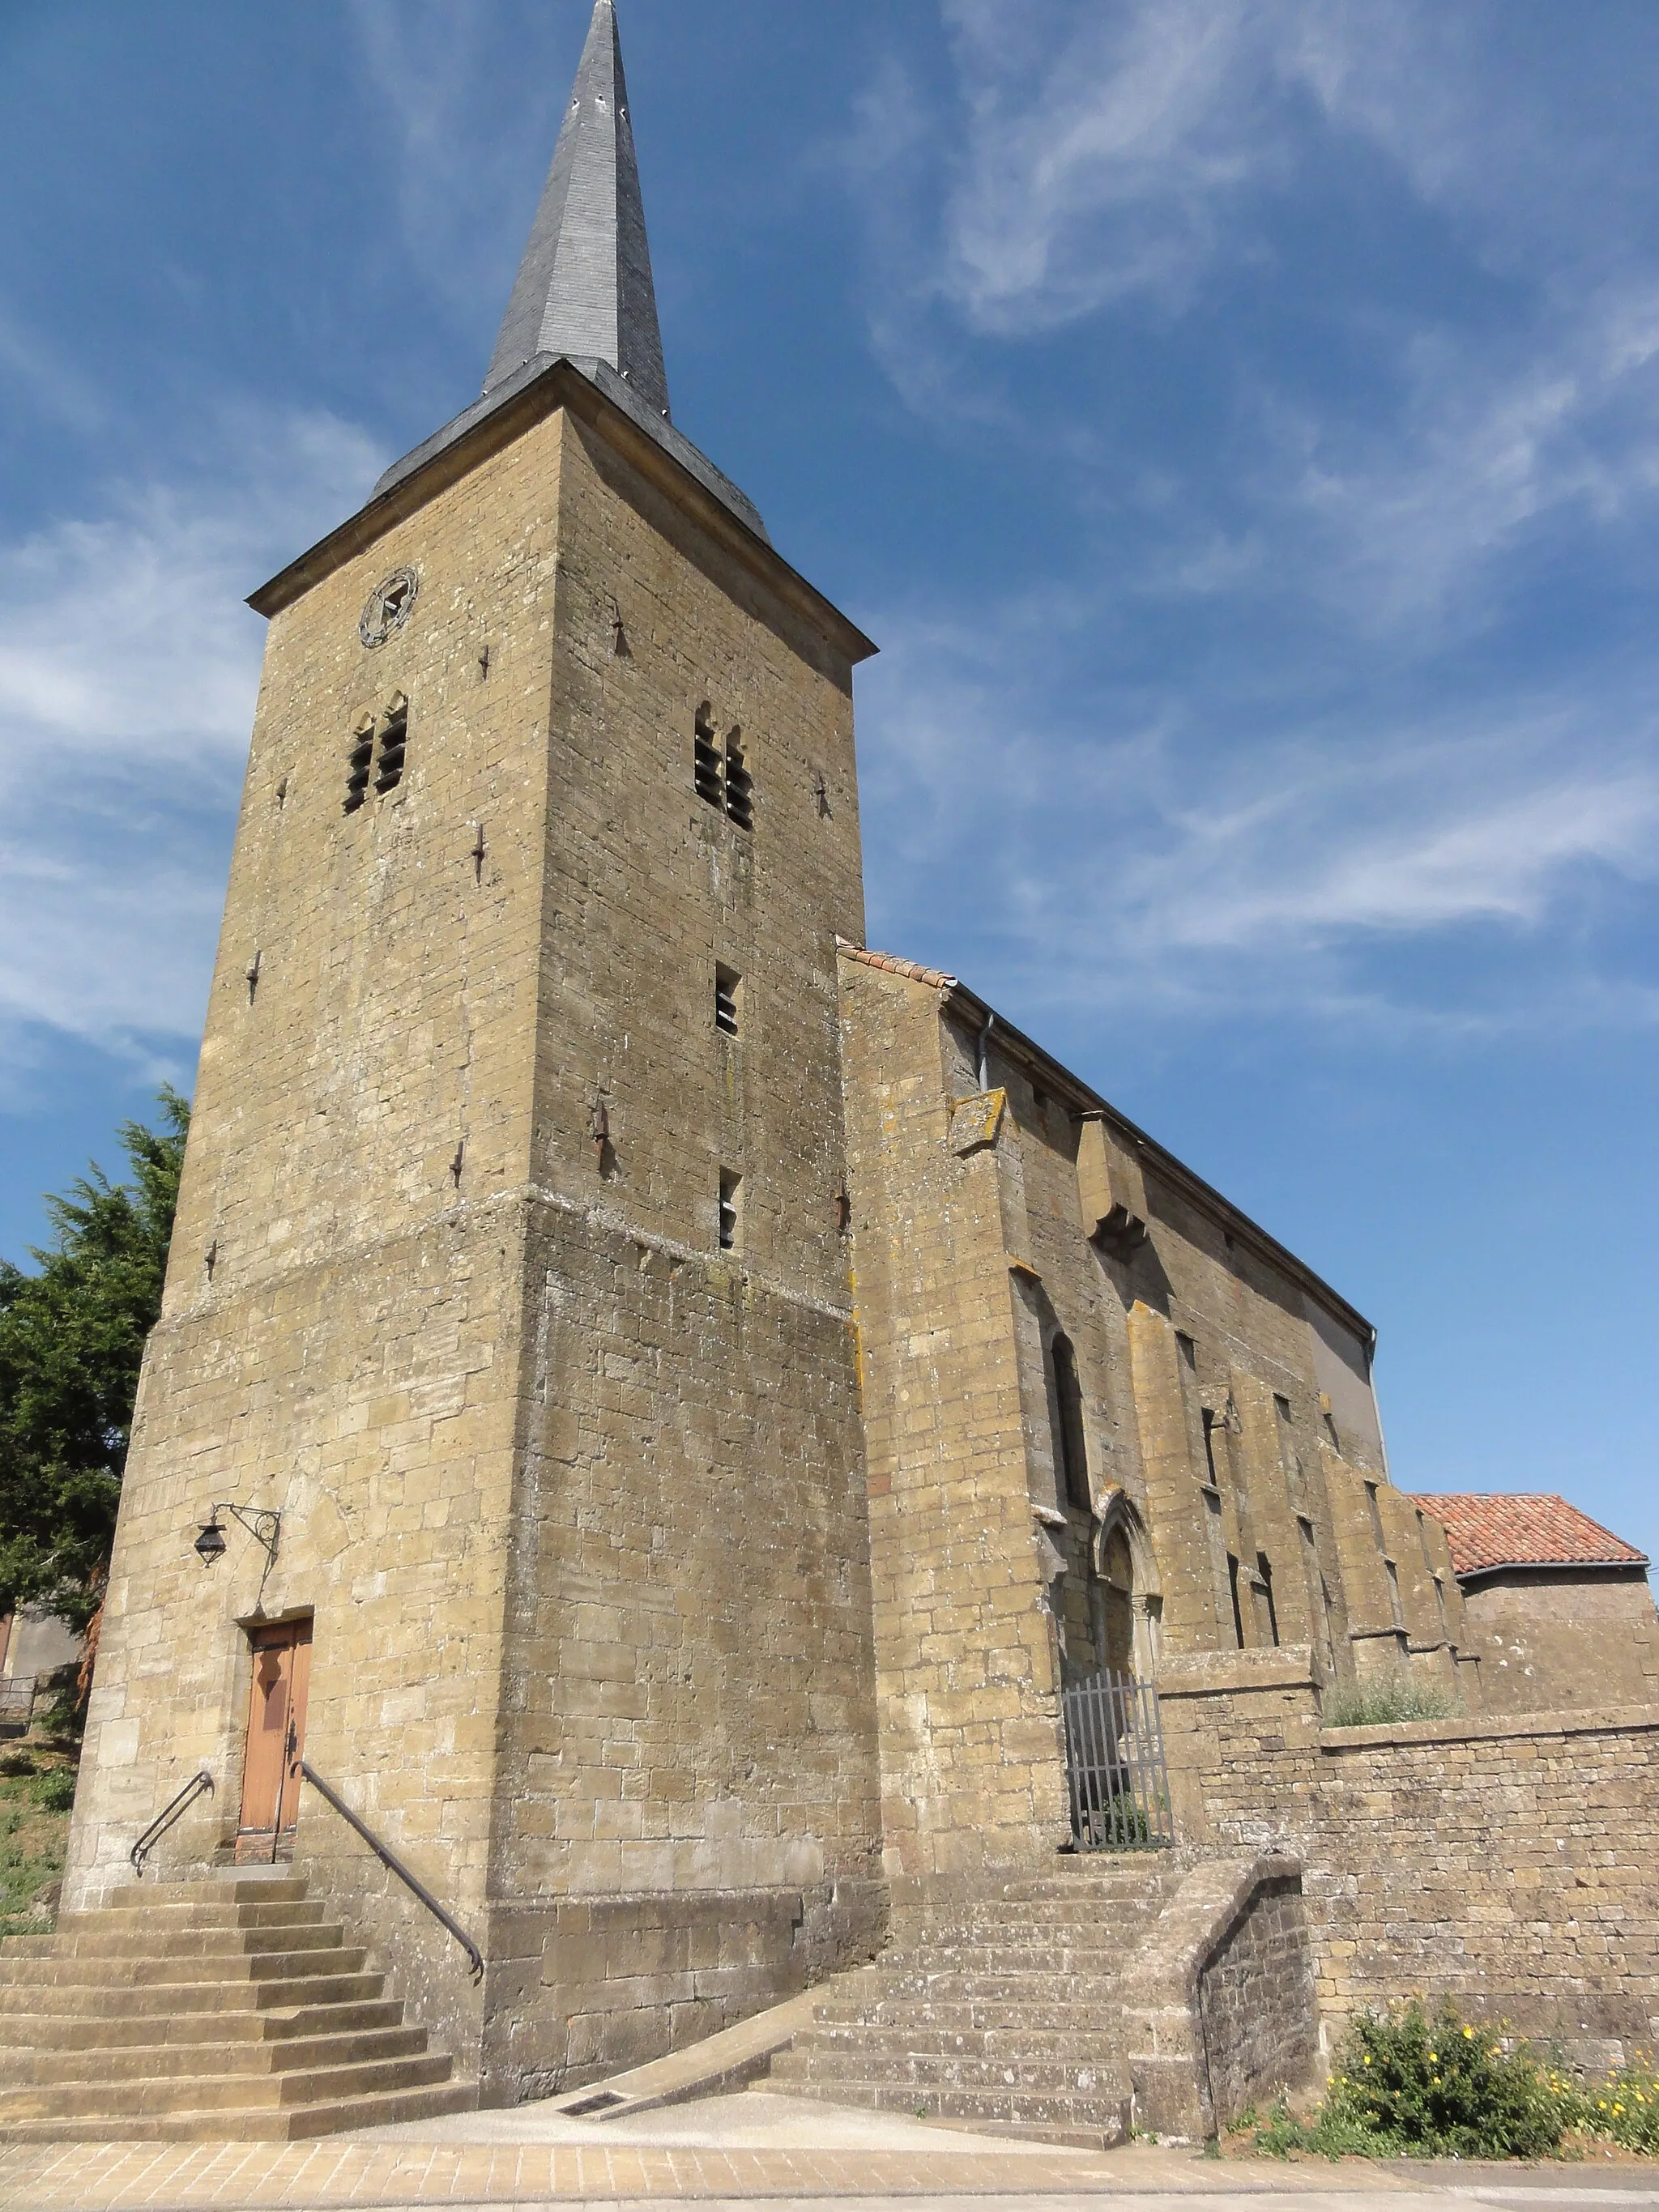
x=1115, y=1764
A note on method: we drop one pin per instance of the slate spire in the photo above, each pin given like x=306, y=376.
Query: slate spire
x=584, y=287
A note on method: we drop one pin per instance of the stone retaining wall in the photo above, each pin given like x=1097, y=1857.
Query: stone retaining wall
x=1512, y=1864
x=1218, y=1998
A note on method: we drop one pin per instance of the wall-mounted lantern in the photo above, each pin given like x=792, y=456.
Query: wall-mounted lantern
x=265, y=1528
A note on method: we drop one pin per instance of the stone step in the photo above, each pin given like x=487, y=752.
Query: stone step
x=1000, y=1990
x=1031, y=1932
x=1072, y=1901
x=903, y=2014
x=1034, y=2077
x=1104, y=1877
x=166, y=1947
x=1085, y=2122
x=210, y=2093
x=21, y=2067
x=998, y=2044
x=1075, y=1903
x=102, y=1971
x=1071, y=1910
x=293, y=2123
x=147, y=2000
x=225, y=1889
x=345, y=2018
x=164, y=1916
x=1053, y=1956
x=41, y=2031
x=229, y=2009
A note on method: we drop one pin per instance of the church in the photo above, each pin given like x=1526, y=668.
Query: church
x=684, y=1453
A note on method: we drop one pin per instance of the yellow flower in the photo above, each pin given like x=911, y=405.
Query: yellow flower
x=1433, y=2054
x=1468, y=2035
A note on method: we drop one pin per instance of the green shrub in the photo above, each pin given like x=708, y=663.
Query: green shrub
x=1328, y=2133
x=54, y=1791
x=1395, y=1698
x=1622, y=2109
x=1441, y=2087
x=34, y=1830
x=1413, y=2084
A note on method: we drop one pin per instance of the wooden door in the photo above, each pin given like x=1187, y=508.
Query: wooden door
x=275, y=1733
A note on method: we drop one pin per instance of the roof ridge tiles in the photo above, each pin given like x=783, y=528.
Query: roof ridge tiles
x=892, y=964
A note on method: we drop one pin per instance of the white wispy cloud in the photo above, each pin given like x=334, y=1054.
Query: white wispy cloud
x=1102, y=144
x=472, y=128
x=1411, y=517
x=1309, y=802
x=1132, y=857
x=128, y=670
x=1095, y=159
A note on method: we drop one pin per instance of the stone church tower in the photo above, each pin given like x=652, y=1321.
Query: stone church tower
x=507, y=1347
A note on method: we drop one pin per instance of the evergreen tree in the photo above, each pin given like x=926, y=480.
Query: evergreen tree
x=71, y=1338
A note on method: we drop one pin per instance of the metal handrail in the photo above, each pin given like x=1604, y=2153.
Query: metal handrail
x=199, y=1785
x=388, y=1858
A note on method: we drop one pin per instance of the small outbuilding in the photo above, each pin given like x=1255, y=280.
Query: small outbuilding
x=1558, y=1609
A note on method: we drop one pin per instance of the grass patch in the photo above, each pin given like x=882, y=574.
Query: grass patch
x=1395, y=1698
x=37, y=1789
x=1412, y=2083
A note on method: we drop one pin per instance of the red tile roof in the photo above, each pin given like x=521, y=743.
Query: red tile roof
x=933, y=977
x=1540, y=1531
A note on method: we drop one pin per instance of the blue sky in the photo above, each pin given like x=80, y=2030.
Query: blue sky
x=1238, y=421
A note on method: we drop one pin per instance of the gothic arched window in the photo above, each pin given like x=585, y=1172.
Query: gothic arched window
x=1068, y=1423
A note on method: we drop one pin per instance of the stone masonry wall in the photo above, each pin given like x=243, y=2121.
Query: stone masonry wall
x=1256, y=2002
x=971, y=1763
x=1512, y=1864
x=1573, y=1639
x=1218, y=1997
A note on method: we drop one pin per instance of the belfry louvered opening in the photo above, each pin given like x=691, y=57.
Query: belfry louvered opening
x=727, y=984
x=740, y=785
x=719, y=773
x=394, y=744
x=360, y=763
x=706, y=763
x=379, y=749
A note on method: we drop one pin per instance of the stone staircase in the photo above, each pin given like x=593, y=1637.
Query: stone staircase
x=1002, y=2008
x=221, y=2010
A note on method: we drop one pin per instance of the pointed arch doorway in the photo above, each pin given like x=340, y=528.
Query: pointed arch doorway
x=1128, y=1598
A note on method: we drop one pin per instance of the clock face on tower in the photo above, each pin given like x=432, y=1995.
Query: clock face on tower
x=388, y=607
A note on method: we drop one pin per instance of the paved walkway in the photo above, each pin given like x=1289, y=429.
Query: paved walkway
x=733, y=2150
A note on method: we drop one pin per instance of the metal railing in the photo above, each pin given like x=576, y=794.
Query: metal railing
x=199, y=1785
x=388, y=1858
x=16, y=1700
x=1115, y=1768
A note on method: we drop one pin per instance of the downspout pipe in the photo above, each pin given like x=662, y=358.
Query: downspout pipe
x=984, y=1052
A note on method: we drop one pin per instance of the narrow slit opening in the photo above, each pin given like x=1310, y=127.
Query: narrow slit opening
x=730, y=1186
